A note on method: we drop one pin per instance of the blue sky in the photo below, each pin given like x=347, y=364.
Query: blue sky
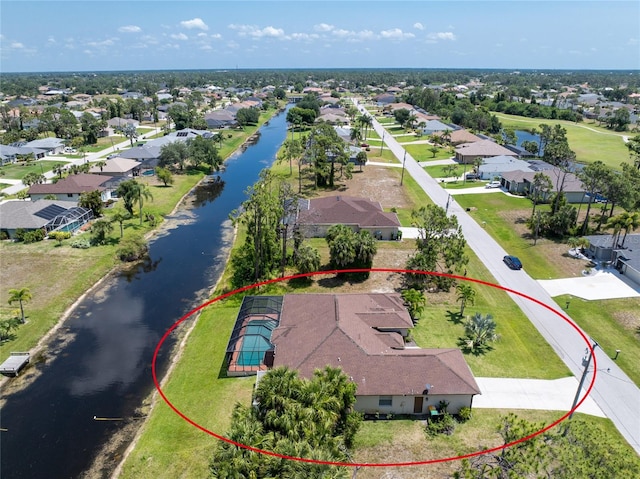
x=143, y=35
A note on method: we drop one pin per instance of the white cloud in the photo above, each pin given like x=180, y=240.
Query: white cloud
x=202, y=35
x=441, y=36
x=396, y=34
x=256, y=32
x=179, y=36
x=632, y=41
x=323, y=27
x=51, y=40
x=130, y=29
x=104, y=43
x=17, y=45
x=216, y=36
x=194, y=23
x=418, y=26
x=206, y=47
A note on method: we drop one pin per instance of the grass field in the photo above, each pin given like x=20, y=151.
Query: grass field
x=421, y=152
x=17, y=171
x=589, y=141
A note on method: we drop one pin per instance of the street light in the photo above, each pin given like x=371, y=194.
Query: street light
x=403, y=161
x=584, y=375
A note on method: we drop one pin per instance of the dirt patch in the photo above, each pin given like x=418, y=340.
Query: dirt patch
x=377, y=183
x=629, y=320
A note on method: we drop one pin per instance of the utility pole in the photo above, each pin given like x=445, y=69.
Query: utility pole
x=587, y=362
x=382, y=144
x=403, y=161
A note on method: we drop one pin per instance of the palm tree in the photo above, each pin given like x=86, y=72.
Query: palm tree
x=100, y=164
x=573, y=243
x=466, y=295
x=100, y=229
x=539, y=189
x=415, y=301
x=21, y=295
x=120, y=216
x=616, y=224
x=366, y=121
x=479, y=331
x=142, y=193
x=630, y=221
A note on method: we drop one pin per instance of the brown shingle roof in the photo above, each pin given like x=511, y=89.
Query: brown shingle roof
x=80, y=183
x=316, y=330
x=346, y=210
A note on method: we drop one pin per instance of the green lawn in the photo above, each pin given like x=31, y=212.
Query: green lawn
x=610, y=322
x=421, y=152
x=589, y=141
x=17, y=171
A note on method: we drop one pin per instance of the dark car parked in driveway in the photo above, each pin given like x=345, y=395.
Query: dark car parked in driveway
x=512, y=262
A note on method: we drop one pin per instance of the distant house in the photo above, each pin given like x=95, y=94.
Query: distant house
x=317, y=215
x=435, y=126
x=71, y=187
x=220, y=119
x=460, y=136
x=48, y=215
x=118, y=123
x=468, y=152
x=496, y=166
x=118, y=167
x=521, y=182
x=364, y=335
x=52, y=146
x=148, y=154
x=9, y=154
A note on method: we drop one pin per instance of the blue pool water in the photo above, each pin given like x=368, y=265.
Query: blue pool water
x=255, y=343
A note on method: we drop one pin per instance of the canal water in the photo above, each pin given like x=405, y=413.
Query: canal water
x=98, y=367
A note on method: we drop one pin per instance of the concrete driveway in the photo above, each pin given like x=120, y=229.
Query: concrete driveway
x=603, y=284
x=549, y=395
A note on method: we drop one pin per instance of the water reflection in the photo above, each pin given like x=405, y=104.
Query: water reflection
x=119, y=339
x=207, y=191
x=147, y=265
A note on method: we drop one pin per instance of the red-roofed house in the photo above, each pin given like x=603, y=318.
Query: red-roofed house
x=364, y=334
x=317, y=215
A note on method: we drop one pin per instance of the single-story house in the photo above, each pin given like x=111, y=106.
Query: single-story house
x=118, y=166
x=9, y=154
x=521, y=182
x=496, y=166
x=71, y=187
x=220, y=119
x=118, y=123
x=147, y=154
x=467, y=152
x=49, y=215
x=317, y=215
x=435, y=126
x=51, y=145
x=364, y=335
x=460, y=136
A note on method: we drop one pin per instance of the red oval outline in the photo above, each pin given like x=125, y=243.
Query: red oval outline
x=354, y=464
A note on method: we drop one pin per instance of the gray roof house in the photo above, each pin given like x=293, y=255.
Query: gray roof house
x=49, y=215
x=433, y=126
x=220, y=119
x=317, y=215
x=50, y=145
x=496, y=166
x=519, y=182
x=9, y=154
x=624, y=256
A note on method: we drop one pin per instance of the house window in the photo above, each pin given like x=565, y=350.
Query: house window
x=69, y=195
x=385, y=401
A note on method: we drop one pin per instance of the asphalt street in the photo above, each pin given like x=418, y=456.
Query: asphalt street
x=614, y=393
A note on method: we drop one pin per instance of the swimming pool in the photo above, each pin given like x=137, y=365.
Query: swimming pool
x=255, y=343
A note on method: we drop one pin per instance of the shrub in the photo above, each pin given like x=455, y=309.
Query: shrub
x=132, y=249
x=464, y=414
x=81, y=243
x=444, y=425
x=60, y=236
x=33, y=236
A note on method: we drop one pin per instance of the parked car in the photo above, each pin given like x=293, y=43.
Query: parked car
x=493, y=184
x=512, y=262
x=472, y=176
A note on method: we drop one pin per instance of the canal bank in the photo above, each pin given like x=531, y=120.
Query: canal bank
x=103, y=369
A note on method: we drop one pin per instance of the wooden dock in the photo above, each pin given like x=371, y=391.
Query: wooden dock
x=14, y=364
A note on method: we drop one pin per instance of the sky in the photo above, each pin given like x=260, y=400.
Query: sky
x=41, y=36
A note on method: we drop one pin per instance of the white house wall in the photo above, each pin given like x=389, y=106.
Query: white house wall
x=404, y=404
